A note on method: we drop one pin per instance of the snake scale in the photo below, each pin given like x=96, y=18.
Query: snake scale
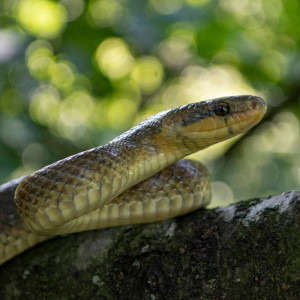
x=138, y=177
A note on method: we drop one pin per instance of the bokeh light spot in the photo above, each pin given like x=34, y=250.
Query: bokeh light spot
x=41, y=17
x=74, y=8
x=44, y=105
x=76, y=109
x=114, y=58
x=283, y=134
x=274, y=64
x=15, y=132
x=104, y=13
x=198, y=83
x=175, y=52
x=148, y=73
x=39, y=61
x=61, y=75
x=166, y=7
x=120, y=113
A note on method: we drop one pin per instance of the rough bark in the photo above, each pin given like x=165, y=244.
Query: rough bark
x=248, y=250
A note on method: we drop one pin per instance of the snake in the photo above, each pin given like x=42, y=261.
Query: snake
x=138, y=177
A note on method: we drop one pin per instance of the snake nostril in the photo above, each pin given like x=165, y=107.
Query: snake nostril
x=257, y=103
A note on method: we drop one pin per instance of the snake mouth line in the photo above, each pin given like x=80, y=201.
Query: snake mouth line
x=245, y=119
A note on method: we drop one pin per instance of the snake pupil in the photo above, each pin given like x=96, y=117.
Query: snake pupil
x=222, y=109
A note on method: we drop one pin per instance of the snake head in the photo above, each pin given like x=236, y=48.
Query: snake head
x=208, y=122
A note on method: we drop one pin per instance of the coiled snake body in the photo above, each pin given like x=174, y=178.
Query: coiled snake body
x=107, y=186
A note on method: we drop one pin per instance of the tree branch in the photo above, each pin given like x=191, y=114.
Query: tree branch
x=249, y=249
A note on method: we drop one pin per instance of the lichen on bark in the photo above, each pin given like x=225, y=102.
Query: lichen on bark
x=248, y=250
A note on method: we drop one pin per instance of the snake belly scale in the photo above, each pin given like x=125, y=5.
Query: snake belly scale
x=138, y=177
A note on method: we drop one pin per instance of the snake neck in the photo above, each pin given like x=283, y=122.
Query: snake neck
x=148, y=147
x=140, y=159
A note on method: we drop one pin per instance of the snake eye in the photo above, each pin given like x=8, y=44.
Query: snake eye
x=222, y=109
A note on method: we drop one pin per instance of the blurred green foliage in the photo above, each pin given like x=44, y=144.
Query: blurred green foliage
x=74, y=74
